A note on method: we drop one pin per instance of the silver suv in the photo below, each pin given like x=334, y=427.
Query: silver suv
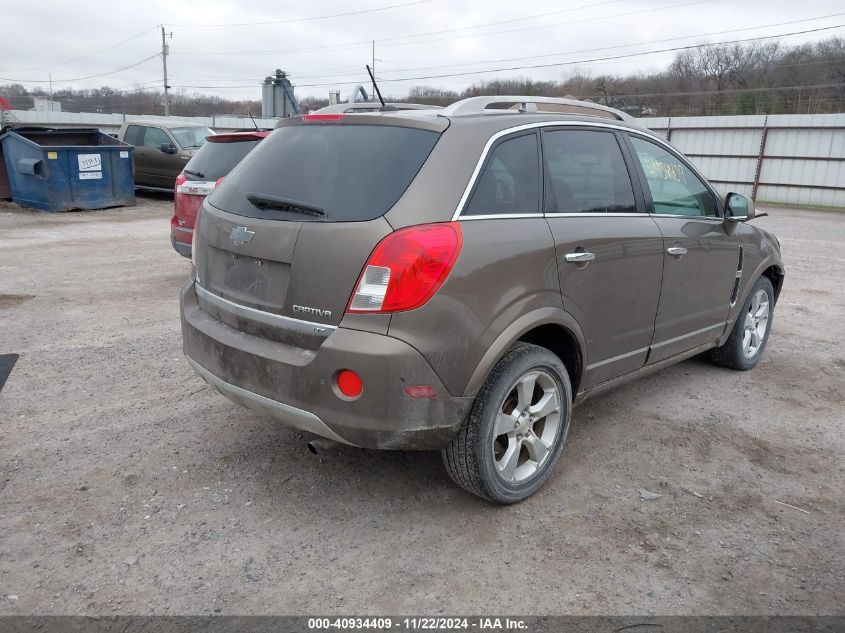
x=459, y=279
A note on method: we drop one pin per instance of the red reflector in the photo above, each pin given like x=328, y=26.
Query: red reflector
x=421, y=391
x=349, y=383
x=323, y=117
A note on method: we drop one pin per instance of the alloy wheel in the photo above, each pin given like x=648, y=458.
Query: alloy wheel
x=756, y=324
x=526, y=426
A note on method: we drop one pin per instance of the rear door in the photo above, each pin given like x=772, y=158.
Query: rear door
x=700, y=258
x=291, y=227
x=609, y=252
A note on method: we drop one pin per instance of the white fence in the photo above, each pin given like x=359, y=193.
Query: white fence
x=787, y=158
x=110, y=123
x=792, y=159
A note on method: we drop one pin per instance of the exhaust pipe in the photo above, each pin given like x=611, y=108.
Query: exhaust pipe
x=321, y=445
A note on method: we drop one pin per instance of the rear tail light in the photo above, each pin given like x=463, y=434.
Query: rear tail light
x=406, y=268
x=218, y=181
x=180, y=180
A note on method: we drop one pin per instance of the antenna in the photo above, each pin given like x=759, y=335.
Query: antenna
x=375, y=85
x=253, y=119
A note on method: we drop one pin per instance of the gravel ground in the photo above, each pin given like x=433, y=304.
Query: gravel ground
x=129, y=486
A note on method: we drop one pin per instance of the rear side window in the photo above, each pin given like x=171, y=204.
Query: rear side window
x=134, y=135
x=331, y=173
x=215, y=160
x=585, y=173
x=510, y=182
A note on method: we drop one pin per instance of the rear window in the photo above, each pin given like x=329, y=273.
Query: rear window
x=331, y=173
x=215, y=160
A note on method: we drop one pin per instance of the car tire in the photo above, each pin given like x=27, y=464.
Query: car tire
x=747, y=342
x=508, y=467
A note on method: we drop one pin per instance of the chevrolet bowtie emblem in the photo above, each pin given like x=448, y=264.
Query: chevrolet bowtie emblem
x=240, y=235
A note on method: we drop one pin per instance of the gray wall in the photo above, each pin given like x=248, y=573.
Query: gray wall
x=110, y=123
x=788, y=158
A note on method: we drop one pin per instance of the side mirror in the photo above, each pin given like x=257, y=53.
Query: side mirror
x=168, y=148
x=738, y=208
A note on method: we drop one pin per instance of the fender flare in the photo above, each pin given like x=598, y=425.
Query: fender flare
x=758, y=272
x=512, y=333
x=769, y=262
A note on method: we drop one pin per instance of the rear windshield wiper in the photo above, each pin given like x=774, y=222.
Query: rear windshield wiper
x=198, y=174
x=284, y=204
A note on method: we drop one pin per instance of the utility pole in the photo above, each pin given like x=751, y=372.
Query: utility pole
x=164, y=52
x=50, y=77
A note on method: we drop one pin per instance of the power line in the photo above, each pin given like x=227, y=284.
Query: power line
x=394, y=41
x=546, y=26
x=797, y=64
x=585, y=61
x=617, y=46
x=344, y=69
x=500, y=22
x=311, y=19
x=566, y=63
x=726, y=91
x=76, y=59
x=111, y=72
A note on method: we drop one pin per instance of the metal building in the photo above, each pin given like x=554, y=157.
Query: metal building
x=277, y=98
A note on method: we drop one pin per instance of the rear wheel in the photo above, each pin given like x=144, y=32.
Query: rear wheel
x=513, y=437
x=750, y=333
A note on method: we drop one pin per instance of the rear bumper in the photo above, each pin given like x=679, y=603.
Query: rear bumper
x=180, y=247
x=296, y=385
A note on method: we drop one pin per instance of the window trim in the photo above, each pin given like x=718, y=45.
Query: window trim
x=488, y=156
x=646, y=191
x=457, y=215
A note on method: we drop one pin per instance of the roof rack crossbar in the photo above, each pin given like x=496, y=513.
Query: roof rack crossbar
x=481, y=105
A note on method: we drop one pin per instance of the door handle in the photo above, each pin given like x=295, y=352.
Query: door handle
x=580, y=257
x=677, y=251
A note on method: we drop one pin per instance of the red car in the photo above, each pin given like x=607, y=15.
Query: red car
x=216, y=158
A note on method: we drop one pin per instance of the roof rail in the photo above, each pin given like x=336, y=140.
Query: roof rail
x=481, y=105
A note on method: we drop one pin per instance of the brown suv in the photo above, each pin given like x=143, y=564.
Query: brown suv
x=459, y=279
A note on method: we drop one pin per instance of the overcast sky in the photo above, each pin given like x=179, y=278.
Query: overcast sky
x=420, y=39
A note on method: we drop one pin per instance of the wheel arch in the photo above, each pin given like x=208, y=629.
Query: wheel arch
x=775, y=274
x=550, y=328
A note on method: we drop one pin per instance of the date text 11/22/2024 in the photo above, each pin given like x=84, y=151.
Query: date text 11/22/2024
x=418, y=623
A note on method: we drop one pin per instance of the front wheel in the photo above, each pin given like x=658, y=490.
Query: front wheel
x=507, y=448
x=748, y=339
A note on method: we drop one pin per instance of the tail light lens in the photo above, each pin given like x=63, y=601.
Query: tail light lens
x=406, y=268
x=180, y=180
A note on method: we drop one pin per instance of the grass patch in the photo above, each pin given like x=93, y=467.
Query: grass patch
x=806, y=207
